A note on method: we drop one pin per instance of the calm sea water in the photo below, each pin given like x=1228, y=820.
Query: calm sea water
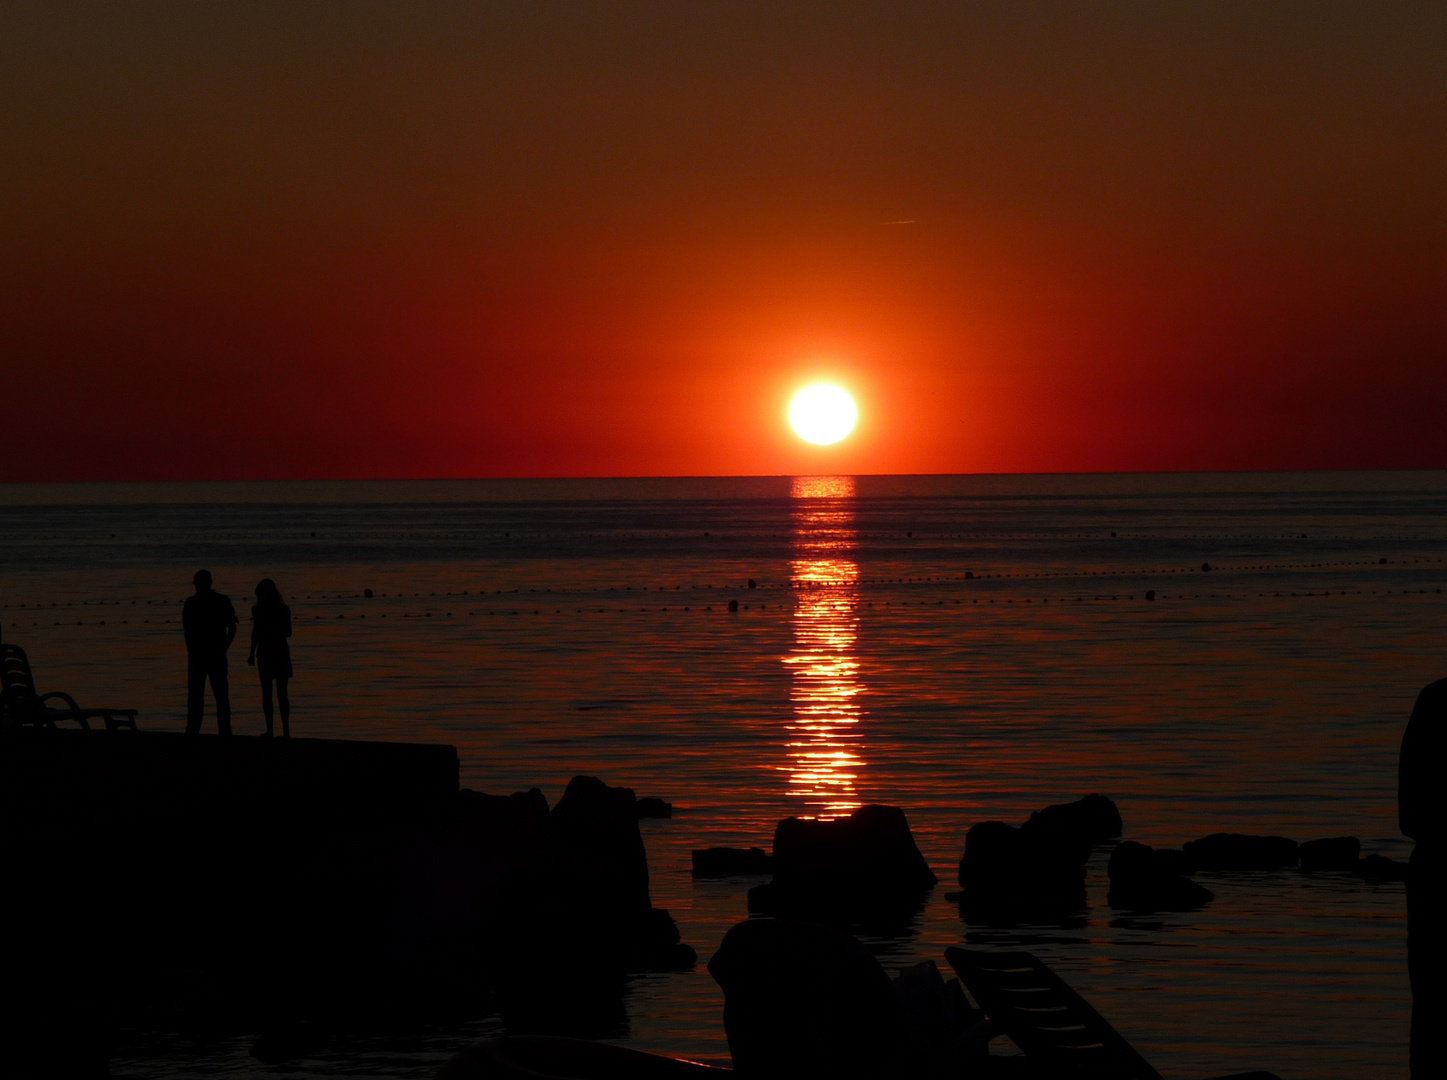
x=548, y=628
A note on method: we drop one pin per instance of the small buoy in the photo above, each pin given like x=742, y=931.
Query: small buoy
x=1150, y=594
x=367, y=593
x=969, y=575
x=1205, y=566
x=753, y=584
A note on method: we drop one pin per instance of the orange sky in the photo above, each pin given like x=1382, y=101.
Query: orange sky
x=295, y=240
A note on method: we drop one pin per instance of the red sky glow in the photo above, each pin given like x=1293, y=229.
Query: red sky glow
x=392, y=240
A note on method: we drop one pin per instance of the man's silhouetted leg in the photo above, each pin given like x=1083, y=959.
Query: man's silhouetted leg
x=1427, y=961
x=195, y=694
x=222, y=689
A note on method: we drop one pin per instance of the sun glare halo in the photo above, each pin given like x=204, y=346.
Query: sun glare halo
x=822, y=414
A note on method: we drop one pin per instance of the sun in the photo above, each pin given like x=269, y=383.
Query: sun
x=822, y=414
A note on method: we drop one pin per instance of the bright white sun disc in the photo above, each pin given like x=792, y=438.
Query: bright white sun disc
x=822, y=414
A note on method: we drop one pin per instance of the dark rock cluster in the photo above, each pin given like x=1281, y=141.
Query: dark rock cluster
x=292, y=887
x=522, y=886
x=1035, y=870
x=1144, y=879
x=1148, y=879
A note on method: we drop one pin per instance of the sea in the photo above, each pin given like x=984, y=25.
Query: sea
x=1215, y=652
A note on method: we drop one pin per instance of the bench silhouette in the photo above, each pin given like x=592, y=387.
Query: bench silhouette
x=20, y=704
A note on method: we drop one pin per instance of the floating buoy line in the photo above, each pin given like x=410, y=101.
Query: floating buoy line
x=670, y=598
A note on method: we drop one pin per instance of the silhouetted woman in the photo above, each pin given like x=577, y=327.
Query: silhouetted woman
x=270, y=653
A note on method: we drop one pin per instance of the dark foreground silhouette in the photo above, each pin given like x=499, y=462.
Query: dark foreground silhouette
x=1422, y=812
x=297, y=887
x=804, y=999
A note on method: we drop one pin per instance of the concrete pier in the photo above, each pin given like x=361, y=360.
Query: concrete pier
x=241, y=884
x=229, y=878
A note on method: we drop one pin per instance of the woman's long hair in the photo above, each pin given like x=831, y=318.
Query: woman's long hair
x=267, y=593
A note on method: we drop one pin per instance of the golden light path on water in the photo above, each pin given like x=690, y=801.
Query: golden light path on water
x=825, y=736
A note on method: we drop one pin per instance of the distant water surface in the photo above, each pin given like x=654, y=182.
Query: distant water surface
x=964, y=647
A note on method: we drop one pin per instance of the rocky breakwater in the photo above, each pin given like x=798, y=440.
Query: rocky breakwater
x=249, y=884
x=1034, y=871
x=506, y=893
x=1155, y=879
x=862, y=867
x=1240, y=851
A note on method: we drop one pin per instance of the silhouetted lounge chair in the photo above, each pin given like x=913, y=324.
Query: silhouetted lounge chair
x=541, y=1057
x=1049, y=1021
x=20, y=704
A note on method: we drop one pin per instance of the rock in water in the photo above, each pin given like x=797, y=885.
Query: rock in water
x=1143, y=879
x=1236, y=851
x=580, y=904
x=727, y=861
x=649, y=807
x=1093, y=819
x=1338, y=853
x=875, y=840
x=598, y=855
x=866, y=862
x=596, y=877
x=807, y=1000
x=1381, y=868
x=1008, y=872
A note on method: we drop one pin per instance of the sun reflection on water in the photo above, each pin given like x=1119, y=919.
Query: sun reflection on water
x=824, y=732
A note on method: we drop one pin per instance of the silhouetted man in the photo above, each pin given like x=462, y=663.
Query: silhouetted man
x=210, y=624
x=1422, y=813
